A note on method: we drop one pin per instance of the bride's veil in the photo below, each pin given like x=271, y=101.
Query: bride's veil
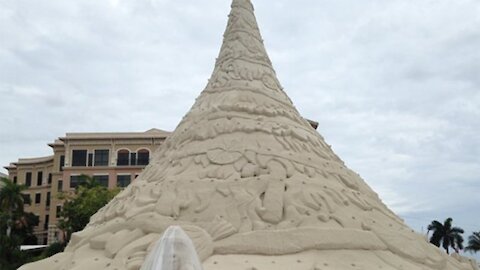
x=174, y=251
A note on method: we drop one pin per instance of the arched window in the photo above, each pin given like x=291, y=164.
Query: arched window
x=123, y=157
x=143, y=157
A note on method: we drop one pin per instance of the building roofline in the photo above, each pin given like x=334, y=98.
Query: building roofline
x=12, y=165
x=57, y=142
x=152, y=133
x=24, y=161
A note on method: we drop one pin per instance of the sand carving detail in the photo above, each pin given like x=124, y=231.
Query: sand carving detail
x=259, y=203
x=245, y=175
x=304, y=202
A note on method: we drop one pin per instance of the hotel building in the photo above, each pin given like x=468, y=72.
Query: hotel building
x=112, y=159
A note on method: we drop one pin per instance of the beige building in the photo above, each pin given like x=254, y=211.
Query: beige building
x=113, y=159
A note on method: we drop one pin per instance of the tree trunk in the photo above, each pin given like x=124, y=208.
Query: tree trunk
x=9, y=222
x=9, y=227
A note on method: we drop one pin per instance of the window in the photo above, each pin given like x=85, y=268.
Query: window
x=133, y=159
x=27, y=199
x=47, y=202
x=76, y=180
x=122, y=158
x=101, y=157
x=15, y=179
x=60, y=185
x=58, y=211
x=123, y=180
x=90, y=160
x=79, y=158
x=49, y=178
x=101, y=179
x=28, y=179
x=62, y=162
x=39, y=178
x=125, y=158
x=45, y=227
x=143, y=157
x=38, y=198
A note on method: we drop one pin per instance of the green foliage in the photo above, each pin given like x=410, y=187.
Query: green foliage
x=11, y=197
x=23, y=226
x=53, y=249
x=13, y=219
x=10, y=255
x=86, y=201
x=473, y=243
x=4, y=220
x=446, y=235
x=16, y=226
x=11, y=202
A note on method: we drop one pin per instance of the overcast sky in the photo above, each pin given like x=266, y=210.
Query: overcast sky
x=395, y=85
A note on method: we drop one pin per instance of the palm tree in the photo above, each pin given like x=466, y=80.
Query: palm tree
x=446, y=235
x=473, y=242
x=11, y=200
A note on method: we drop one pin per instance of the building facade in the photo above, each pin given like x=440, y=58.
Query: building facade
x=112, y=159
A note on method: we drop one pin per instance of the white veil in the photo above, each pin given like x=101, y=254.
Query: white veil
x=174, y=251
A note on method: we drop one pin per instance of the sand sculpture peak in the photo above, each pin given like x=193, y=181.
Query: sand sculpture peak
x=252, y=184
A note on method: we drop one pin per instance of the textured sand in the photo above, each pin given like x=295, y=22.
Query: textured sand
x=253, y=185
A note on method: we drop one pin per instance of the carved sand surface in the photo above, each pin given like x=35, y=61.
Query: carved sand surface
x=253, y=185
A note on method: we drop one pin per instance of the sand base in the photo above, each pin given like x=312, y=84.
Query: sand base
x=324, y=260
x=308, y=260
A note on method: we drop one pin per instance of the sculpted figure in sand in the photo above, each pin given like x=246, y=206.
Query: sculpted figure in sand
x=253, y=186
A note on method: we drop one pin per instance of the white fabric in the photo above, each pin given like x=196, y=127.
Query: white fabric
x=174, y=251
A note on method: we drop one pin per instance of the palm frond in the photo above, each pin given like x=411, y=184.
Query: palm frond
x=473, y=243
x=448, y=223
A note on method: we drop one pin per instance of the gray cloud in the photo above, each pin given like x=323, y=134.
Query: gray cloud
x=394, y=84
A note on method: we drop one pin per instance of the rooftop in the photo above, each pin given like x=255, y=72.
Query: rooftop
x=152, y=133
x=22, y=161
x=28, y=161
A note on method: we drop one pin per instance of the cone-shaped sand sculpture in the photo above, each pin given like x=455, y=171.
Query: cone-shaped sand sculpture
x=253, y=185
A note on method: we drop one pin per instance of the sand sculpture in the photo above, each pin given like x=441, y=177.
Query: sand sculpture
x=253, y=185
